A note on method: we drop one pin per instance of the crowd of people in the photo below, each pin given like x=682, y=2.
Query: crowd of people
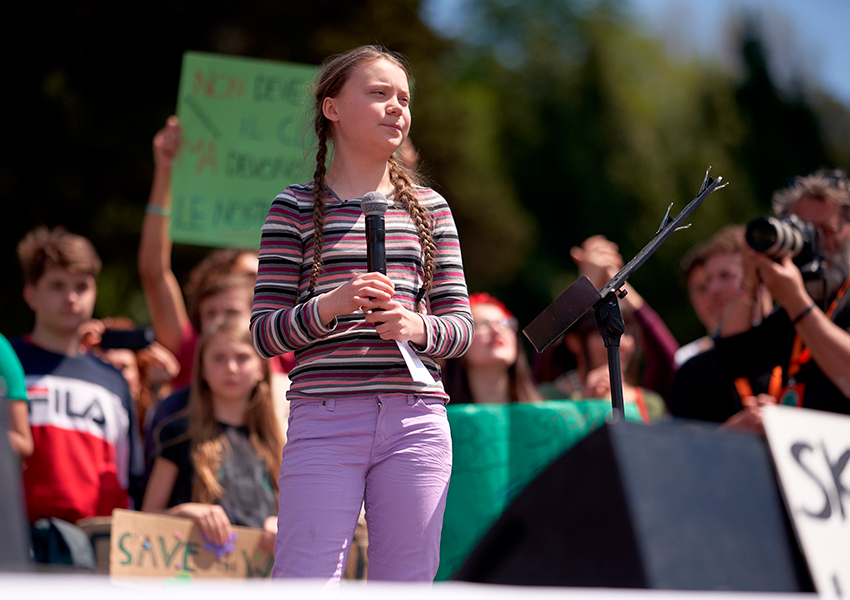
x=259, y=356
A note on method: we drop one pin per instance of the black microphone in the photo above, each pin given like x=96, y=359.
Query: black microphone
x=374, y=205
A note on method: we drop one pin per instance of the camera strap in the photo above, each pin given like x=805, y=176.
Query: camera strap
x=800, y=355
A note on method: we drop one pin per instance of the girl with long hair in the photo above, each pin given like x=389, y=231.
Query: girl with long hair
x=495, y=370
x=217, y=460
x=363, y=426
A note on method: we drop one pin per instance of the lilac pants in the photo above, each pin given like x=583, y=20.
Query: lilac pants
x=393, y=452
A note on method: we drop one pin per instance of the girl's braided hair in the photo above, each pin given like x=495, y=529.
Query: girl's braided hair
x=336, y=70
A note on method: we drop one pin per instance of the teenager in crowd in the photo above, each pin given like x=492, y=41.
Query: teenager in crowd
x=714, y=272
x=147, y=366
x=217, y=461
x=592, y=373
x=87, y=456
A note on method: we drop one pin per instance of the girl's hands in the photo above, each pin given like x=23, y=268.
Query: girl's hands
x=372, y=293
x=211, y=518
x=366, y=291
x=394, y=322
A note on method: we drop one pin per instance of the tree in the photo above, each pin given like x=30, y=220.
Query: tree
x=783, y=134
x=600, y=129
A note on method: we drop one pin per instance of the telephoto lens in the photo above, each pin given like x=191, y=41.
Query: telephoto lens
x=788, y=236
x=776, y=237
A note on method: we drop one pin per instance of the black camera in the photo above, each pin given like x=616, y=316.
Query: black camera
x=788, y=235
x=135, y=339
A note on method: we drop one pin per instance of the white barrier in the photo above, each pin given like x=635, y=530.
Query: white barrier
x=98, y=587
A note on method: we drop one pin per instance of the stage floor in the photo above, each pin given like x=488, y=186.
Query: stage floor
x=96, y=587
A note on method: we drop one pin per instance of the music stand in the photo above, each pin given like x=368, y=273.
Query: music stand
x=581, y=296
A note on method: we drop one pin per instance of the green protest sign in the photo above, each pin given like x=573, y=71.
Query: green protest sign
x=498, y=449
x=244, y=140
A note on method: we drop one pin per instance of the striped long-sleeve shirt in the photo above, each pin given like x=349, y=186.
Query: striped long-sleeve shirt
x=347, y=357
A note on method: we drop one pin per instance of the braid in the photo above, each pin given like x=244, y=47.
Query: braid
x=319, y=204
x=403, y=180
x=336, y=70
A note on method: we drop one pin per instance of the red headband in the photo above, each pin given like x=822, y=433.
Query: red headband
x=485, y=298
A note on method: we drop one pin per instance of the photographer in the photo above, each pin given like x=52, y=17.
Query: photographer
x=809, y=334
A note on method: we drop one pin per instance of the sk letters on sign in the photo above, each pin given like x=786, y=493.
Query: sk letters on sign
x=811, y=450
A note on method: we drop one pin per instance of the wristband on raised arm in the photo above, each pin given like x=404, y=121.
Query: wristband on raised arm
x=803, y=314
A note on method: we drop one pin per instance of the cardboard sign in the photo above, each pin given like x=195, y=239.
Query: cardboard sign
x=146, y=544
x=244, y=141
x=811, y=450
x=498, y=449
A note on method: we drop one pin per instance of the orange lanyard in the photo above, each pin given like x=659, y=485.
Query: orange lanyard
x=641, y=405
x=800, y=355
x=742, y=384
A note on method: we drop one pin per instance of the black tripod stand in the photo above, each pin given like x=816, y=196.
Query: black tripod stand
x=582, y=296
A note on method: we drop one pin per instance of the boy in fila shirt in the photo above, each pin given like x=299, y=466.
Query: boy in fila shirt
x=87, y=456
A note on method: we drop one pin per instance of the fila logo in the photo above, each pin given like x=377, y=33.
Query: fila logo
x=78, y=405
x=92, y=411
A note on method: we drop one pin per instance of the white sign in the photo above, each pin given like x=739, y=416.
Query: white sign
x=811, y=449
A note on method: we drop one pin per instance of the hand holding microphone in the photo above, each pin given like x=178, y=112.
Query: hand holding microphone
x=392, y=321
x=367, y=291
x=374, y=206
x=372, y=292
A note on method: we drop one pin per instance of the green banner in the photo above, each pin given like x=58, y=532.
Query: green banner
x=244, y=140
x=498, y=449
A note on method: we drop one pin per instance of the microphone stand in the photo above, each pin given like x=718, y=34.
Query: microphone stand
x=609, y=321
x=581, y=296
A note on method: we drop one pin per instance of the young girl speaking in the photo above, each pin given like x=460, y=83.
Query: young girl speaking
x=361, y=428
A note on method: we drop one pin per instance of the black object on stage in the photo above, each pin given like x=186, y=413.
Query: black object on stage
x=581, y=296
x=15, y=543
x=667, y=506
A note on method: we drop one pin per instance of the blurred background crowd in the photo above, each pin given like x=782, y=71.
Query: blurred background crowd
x=542, y=123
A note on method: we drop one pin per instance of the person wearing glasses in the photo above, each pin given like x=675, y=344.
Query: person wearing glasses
x=495, y=369
x=808, y=334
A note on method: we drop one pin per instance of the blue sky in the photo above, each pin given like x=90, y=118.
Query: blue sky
x=805, y=36
x=810, y=34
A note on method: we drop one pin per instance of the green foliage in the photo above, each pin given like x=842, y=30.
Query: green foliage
x=601, y=130
x=782, y=135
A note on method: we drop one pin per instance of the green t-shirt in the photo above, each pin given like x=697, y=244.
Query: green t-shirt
x=12, y=383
